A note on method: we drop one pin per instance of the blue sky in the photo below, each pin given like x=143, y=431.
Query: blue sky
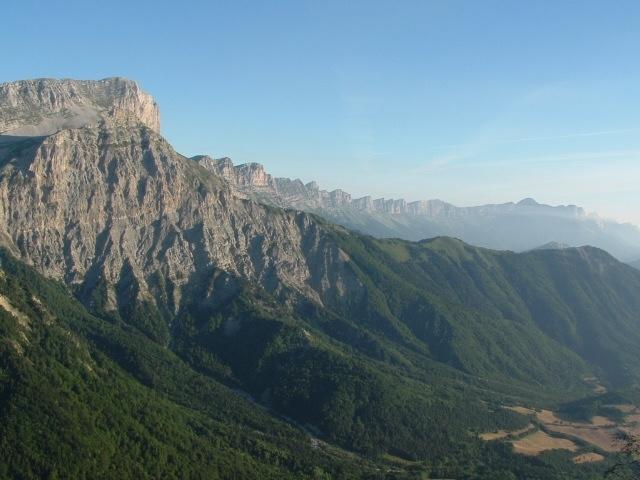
x=468, y=101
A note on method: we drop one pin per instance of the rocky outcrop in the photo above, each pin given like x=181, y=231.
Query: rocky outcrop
x=45, y=106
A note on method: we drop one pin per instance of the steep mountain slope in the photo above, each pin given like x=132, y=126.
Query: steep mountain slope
x=114, y=209
x=635, y=264
x=570, y=295
x=379, y=346
x=510, y=226
x=84, y=398
x=115, y=200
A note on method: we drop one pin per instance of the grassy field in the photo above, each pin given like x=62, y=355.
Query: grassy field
x=588, y=458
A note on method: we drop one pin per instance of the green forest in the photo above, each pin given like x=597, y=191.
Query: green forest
x=257, y=389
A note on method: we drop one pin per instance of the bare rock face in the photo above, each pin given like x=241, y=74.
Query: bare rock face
x=250, y=180
x=115, y=203
x=91, y=194
x=44, y=106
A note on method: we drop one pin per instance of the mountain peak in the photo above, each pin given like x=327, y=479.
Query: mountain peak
x=528, y=202
x=44, y=106
x=553, y=246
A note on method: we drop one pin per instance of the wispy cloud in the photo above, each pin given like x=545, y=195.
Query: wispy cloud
x=458, y=153
x=491, y=135
x=542, y=138
x=439, y=163
x=578, y=157
x=455, y=160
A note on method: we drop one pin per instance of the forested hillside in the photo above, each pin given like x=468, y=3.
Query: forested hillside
x=91, y=396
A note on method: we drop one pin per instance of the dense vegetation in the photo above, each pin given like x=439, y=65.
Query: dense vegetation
x=545, y=316
x=84, y=398
x=405, y=377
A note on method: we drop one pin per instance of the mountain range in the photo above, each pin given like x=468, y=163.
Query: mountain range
x=159, y=319
x=510, y=226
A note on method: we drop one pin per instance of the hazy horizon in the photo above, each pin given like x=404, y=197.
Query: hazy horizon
x=469, y=103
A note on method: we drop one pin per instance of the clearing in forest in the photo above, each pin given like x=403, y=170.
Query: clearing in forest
x=539, y=442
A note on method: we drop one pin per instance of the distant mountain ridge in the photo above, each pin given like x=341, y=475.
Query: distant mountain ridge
x=509, y=226
x=252, y=179
x=552, y=246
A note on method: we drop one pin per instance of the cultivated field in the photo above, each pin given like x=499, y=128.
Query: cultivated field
x=539, y=442
x=604, y=438
x=600, y=432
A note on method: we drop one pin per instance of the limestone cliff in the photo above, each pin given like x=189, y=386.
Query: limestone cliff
x=112, y=202
x=90, y=203
x=45, y=106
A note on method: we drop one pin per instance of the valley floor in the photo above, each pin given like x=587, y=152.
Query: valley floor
x=591, y=440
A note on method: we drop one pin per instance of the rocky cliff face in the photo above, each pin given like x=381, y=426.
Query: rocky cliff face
x=45, y=106
x=252, y=181
x=113, y=202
